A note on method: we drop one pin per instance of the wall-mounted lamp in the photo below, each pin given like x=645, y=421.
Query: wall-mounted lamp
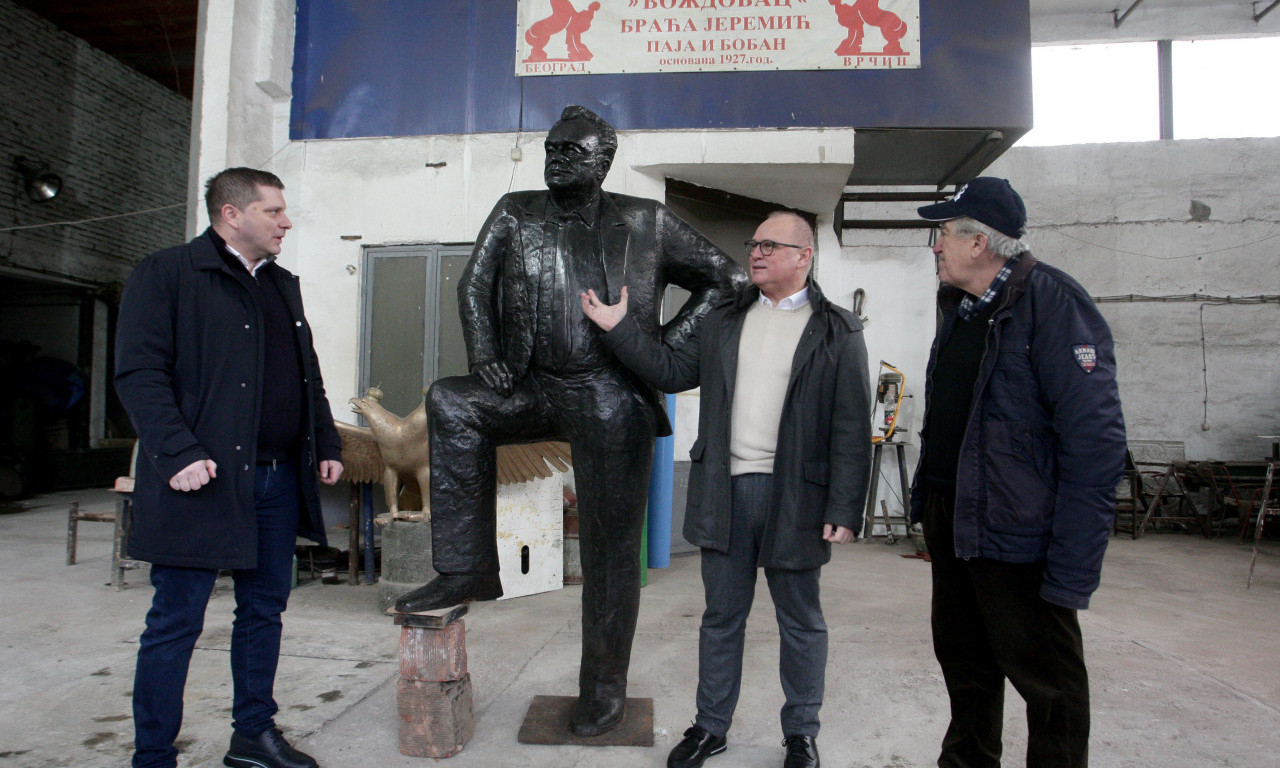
x=40, y=184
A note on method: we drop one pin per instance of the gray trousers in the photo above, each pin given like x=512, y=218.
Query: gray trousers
x=730, y=580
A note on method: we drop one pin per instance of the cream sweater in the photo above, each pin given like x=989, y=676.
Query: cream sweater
x=768, y=344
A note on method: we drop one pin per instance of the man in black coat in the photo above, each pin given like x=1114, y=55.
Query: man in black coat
x=539, y=371
x=215, y=365
x=780, y=469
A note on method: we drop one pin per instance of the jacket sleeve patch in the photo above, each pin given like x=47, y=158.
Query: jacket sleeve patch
x=1086, y=356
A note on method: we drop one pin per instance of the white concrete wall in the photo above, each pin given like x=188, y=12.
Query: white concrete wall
x=244, y=54
x=1117, y=218
x=1057, y=22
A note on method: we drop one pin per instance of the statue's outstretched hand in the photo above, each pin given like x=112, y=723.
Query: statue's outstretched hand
x=497, y=376
x=604, y=315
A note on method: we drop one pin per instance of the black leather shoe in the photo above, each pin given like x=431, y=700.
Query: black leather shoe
x=697, y=746
x=266, y=750
x=450, y=589
x=802, y=752
x=592, y=717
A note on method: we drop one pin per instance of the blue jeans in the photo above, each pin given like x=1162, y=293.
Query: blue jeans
x=176, y=619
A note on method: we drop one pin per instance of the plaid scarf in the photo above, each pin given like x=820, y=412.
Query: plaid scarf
x=970, y=306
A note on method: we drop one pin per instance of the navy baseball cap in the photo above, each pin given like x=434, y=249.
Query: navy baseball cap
x=988, y=199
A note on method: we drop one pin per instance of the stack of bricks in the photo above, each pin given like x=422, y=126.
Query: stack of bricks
x=434, y=693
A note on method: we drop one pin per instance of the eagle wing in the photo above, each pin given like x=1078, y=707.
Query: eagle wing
x=361, y=458
x=529, y=461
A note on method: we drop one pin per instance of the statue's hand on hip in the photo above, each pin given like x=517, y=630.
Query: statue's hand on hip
x=497, y=376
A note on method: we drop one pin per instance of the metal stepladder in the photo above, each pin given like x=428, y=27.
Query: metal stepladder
x=869, y=518
x=1264, y=508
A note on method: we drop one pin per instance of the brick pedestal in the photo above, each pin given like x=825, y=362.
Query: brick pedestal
x=434, y=693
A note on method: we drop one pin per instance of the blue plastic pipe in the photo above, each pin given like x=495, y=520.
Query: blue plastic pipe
x=661, y=482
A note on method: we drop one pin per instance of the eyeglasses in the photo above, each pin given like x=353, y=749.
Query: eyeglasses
x=767, y=246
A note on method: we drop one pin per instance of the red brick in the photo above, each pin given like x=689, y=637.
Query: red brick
x=434, y=655
x=435, y=717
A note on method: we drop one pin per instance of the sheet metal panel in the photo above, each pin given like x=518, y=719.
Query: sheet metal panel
x=412, y=67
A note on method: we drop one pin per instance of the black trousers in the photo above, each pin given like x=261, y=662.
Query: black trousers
x=989, y=624
x=610, y=430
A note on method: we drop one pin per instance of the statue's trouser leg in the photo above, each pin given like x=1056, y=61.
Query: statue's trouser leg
x=467, y=420
x=611, y=432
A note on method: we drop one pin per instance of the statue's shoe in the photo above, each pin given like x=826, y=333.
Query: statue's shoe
x=450, y=589
x=594, y=716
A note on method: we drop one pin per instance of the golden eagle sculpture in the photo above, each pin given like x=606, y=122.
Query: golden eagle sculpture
x=393, y=451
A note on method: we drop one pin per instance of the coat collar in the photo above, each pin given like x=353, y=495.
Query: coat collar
x=205, y=251
x=949, y=297
x=751, y=294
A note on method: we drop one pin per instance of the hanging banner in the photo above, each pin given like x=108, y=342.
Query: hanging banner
x=592, y=37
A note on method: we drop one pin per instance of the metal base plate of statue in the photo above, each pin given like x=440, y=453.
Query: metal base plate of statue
x=547, y=722
x=433, y=696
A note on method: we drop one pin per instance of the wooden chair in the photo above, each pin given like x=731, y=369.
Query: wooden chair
x=1159, y=476
x=121, y=517
x=1131, y=500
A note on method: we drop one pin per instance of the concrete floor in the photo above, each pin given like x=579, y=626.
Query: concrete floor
x=1183, y=662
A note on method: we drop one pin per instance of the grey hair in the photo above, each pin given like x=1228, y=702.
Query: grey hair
x=1000, y=244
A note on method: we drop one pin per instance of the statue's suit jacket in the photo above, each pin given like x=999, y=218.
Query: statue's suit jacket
x=645, y=247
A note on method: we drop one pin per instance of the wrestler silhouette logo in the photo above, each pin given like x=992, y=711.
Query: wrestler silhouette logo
x=863, y=12
x=564, y=18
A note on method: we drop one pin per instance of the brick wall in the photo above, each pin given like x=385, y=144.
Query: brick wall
x=118, y=139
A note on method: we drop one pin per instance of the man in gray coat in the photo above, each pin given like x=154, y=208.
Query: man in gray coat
x=780, y=469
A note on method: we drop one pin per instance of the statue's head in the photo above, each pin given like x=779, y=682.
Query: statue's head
x=580, y=149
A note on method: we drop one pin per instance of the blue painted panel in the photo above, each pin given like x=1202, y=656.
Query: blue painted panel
x=410, y=67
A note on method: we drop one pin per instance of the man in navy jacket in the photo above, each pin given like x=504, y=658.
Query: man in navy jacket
x=215, y=365
x=1022, y=447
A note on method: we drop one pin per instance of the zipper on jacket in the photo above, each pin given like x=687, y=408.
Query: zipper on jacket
x=977, y=395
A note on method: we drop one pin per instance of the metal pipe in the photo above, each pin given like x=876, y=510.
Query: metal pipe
x=1120, y=17
x=1164, y=66
x=366, y=514
x=661, y=482
x=888, y=224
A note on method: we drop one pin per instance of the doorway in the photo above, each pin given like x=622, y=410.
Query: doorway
x=410, y=332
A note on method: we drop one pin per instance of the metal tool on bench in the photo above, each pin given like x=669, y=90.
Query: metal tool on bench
x=889, y=394
x=890, y=390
